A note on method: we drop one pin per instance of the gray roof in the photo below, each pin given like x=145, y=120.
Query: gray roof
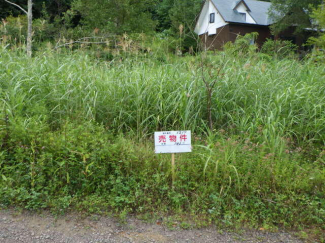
x=258, y=11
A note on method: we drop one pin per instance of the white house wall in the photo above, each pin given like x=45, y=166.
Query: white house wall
x=203, y=25
x=241, y=8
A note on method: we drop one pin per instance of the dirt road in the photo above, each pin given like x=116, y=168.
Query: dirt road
x=29, y=227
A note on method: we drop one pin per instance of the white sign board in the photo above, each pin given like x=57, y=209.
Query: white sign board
x=173, y=142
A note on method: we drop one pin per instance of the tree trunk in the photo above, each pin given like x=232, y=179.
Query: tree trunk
x=29, y=14
x=30, y=28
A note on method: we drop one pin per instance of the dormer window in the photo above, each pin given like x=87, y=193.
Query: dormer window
x=212, y=16
x=243, y=15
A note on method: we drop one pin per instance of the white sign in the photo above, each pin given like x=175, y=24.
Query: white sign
x=173, y=142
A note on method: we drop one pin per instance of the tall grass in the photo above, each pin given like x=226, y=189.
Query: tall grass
x=73, y=127
x=267, y=100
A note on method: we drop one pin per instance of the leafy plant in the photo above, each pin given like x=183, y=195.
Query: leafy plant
x=279, y=48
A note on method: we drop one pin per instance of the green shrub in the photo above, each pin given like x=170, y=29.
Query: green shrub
x=279, y=48
x=244, y=45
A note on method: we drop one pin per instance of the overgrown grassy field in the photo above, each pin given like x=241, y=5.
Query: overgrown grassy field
x=76, y=132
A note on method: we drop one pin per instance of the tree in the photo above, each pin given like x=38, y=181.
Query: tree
x=8, y=9
x=29, y=14
x=57, y=7
x=179, y=18
x=117, y=16
x=173, y=13
x=287, y=13
x=319, y=19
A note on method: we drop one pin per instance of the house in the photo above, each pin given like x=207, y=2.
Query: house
x=221, y=21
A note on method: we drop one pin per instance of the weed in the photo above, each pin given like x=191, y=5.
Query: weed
x=76, y=133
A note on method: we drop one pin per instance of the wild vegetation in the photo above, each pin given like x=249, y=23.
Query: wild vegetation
x=76, y=132
x=76, y=20
x=77, y=121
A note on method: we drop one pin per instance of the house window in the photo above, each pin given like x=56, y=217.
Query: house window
x=243, y=15
x=212, y=17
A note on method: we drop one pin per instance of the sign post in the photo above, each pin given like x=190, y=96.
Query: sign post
x=173, y=168
x=173, y=142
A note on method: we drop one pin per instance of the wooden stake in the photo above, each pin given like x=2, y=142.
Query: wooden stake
x=173, y=169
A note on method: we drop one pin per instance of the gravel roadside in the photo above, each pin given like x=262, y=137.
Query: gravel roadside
x=30, y=227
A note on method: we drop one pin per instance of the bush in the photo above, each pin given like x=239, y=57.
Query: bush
x=243, y=44
x=317, y=56
x=279, y=48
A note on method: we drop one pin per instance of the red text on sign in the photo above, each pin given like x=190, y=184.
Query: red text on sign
x=183, y=137
x=172, y=138
x=162, y=139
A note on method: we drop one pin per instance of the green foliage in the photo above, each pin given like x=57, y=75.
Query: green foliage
x=120, y=93
x=68, y=19
x=173, y=13
x=13, y=30
x=76, y=132
x=53, y=8
x=116, y=16
x=244, y=45
x=279, y=48
x=319, y=18
x=8, y=9
x=85, y=166
x=317, y=56
x=178, y=19
x=287, y=13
